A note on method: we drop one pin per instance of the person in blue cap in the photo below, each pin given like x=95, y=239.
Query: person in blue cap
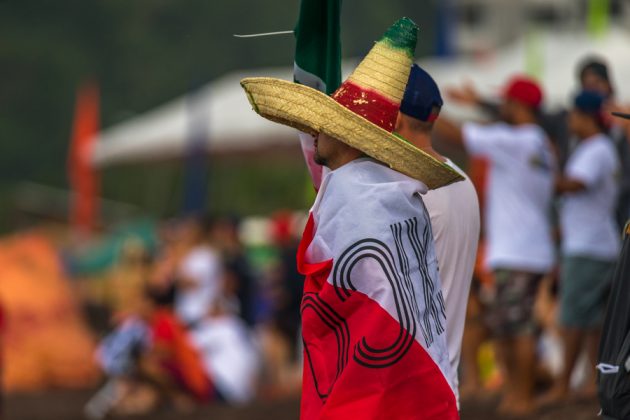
x=590, y=237
x=453, y=210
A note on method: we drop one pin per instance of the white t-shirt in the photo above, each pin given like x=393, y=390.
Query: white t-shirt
x=454, y=213
x=201, y=265
x=229, y=356
x=519, y=194
x=587, y=217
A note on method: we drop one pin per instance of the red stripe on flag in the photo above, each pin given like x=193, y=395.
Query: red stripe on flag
x=338, y=384
x=318, y=272
x=82, y=176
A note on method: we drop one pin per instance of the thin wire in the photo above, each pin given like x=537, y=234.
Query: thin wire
x=263, y=34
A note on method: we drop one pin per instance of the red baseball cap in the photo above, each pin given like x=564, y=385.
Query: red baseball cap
x=524, y=90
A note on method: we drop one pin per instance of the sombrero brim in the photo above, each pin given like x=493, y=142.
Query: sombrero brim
x=312, y=111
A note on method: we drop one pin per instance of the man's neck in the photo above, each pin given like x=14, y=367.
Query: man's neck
x=344, y=157
x=589, y=135
x=523, y=118
x=423, y=142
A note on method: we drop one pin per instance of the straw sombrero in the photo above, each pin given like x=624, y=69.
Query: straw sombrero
x=362, y=112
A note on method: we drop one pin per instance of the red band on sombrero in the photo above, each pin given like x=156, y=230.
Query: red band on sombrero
x=369, y=104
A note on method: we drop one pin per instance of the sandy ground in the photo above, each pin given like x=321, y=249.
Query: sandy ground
x=67, y=405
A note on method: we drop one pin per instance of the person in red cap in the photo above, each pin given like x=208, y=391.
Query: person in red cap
x=520, y=249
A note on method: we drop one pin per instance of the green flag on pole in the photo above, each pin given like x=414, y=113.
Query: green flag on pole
x=318, y=45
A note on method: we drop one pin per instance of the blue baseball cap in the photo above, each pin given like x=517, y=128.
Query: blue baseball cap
x=589, y=102
x=421, y=96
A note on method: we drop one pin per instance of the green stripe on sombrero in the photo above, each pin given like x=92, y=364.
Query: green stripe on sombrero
x=402, y=35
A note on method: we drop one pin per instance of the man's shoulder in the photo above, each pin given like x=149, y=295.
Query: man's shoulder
x=365, y=192
x=366, y=174
x=447, y=189
x=364, y=201
x=453, y=196
x=368, y=169
x=602, y=145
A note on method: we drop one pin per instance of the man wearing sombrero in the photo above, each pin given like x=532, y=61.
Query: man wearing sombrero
x=373, y=316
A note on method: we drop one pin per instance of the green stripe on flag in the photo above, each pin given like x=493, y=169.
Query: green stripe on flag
x=318, y=45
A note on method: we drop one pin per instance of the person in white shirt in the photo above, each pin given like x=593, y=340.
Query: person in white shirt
x=229, y=355
x=199, y=277
x=518, y=226
x=590, y=237
x=453, y=210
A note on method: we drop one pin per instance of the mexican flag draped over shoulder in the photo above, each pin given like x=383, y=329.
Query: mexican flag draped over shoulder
x=317, y=60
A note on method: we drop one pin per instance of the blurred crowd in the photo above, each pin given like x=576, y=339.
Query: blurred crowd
x=555, y=194
x=196, y=322
x=177, y=313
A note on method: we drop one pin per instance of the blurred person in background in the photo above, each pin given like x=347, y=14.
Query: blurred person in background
x=171, y=364
x=595, y=76
x=454, y=210
x=198, y=277
x=590, y=237
x=286, y=312
x=150, y=358
x=230, y=357
x=280, y=335
x=239, y=278
x=553, y=123
x=518, y=226
x=130, y=273
x=211, y=269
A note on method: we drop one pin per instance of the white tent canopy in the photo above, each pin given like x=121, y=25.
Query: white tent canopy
x=229, y=124
x=221, y=113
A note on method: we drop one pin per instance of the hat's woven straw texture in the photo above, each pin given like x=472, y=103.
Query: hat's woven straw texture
x=384, y=70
